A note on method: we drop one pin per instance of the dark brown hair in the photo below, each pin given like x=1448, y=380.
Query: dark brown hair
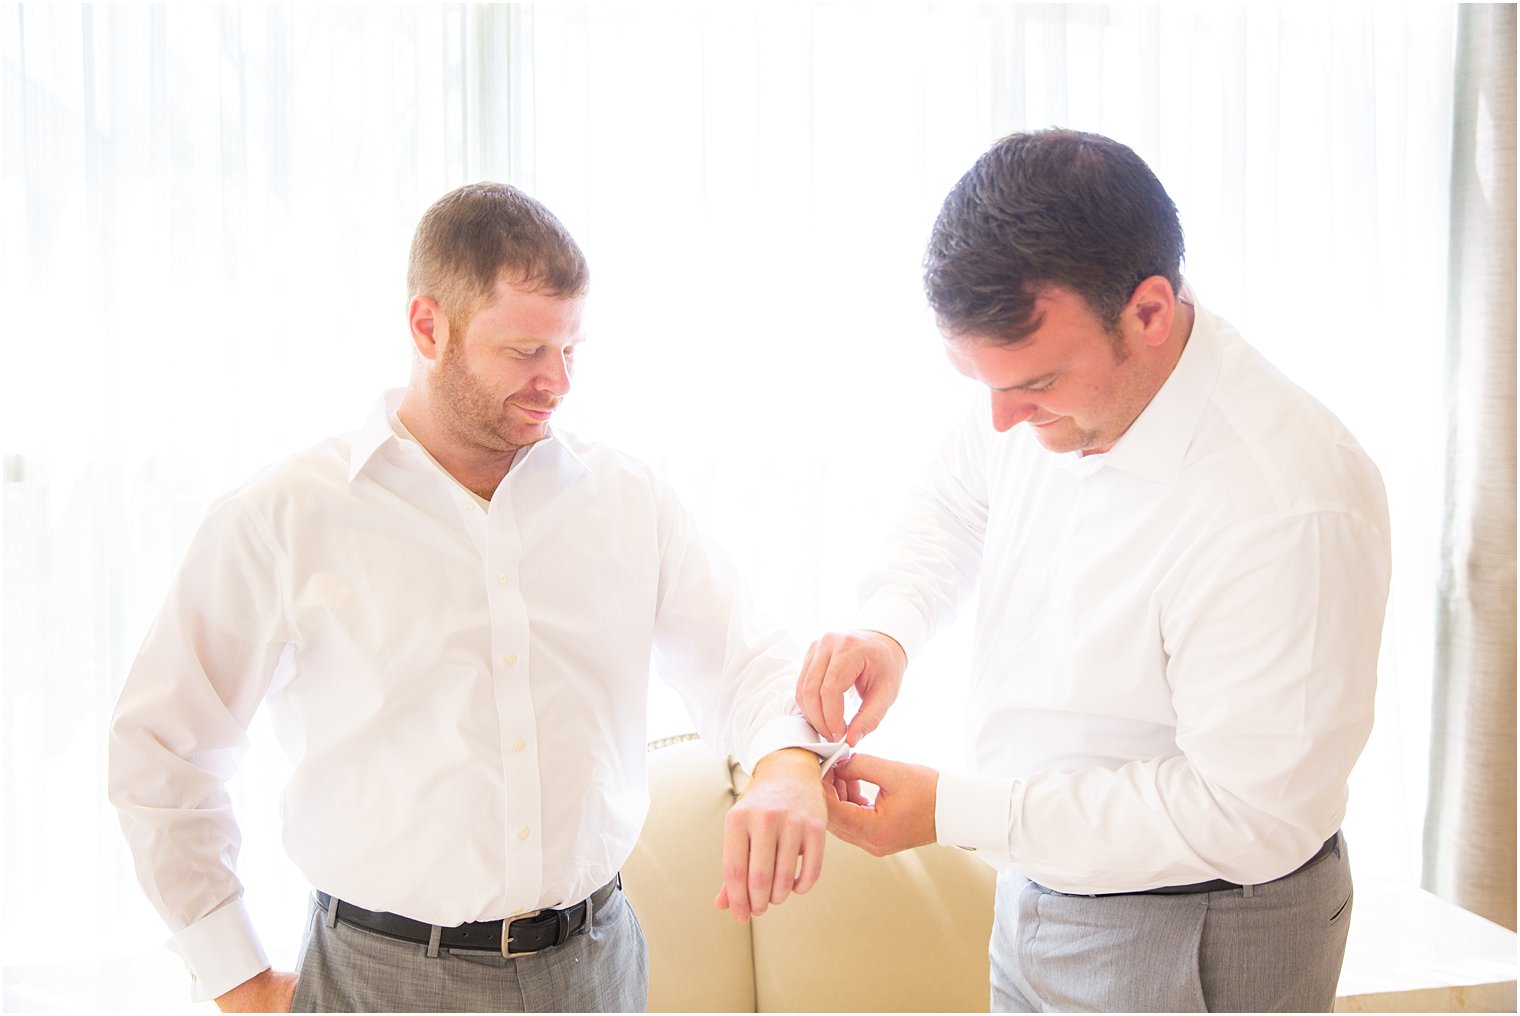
x=475, y=235
x=1053, y=207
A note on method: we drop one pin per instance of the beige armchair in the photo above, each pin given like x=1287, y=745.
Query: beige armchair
x=909, y=932
x=902, y=933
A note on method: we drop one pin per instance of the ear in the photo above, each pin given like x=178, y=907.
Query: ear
x=430, y=327
x=1151, y=308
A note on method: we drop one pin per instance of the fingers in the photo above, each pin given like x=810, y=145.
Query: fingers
x=807, y=690
x=832, y=666
x=846, y=821
x=839, y=676
x=826, y=675
x=868, y=661
x=788, y=847
x=869, y=717
x=762, y=877
x=867, y=768
x=812, y=860
x=736, y=870
x=838, y=787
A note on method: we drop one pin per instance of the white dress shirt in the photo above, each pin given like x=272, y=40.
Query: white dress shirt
x=1177, y=641
x=461, y=686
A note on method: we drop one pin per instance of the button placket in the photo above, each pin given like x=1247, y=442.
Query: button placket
x=512, y=687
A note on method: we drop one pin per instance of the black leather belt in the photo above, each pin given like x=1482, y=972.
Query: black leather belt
x=529, y=933
x=1220, y=885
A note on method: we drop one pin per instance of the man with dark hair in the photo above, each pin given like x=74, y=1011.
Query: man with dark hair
x=1182, y=563
x=451, y=614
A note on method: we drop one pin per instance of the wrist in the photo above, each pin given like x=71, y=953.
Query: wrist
x=237, y=999
x=889, y=642
x=786, y=763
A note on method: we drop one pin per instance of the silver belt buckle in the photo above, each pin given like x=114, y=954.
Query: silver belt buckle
x=506, y=938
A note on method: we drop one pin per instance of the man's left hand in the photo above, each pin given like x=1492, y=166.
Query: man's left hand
x=902, y=816
x=778, y=822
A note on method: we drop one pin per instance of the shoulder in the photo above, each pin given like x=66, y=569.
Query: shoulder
x=1271, y=448
x=608, y=467
x=293, y=485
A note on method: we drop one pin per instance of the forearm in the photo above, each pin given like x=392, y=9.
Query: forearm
x=734, y=669
x=1146, y=824
x=933, y=554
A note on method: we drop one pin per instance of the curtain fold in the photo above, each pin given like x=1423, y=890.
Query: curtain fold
x=1470, y=824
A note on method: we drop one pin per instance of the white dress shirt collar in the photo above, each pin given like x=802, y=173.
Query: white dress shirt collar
x=378, y=430
x=1154, y=445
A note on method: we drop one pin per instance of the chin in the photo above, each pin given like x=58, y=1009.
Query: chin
x=1066, y=441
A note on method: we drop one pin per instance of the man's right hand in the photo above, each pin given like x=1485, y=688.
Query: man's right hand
x=269, y=991
x=870, y=662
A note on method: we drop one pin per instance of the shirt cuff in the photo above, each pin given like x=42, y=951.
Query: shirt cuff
x=895, y=619
x=221, y=951
x=972, y=812
x=790, y=731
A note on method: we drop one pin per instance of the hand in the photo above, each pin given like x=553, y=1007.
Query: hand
x=869, y=661
x=268, y=991
x=902, y=815
x=778, y=820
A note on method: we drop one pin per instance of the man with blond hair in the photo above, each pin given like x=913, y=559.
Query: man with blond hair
x=451, y=614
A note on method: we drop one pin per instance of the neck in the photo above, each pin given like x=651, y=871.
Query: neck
x=477, y=468
x=1177, y=338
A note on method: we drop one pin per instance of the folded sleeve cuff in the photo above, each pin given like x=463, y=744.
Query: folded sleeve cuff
x=972, y=812
x=790, y=731
x=895, y=618
x=221, y=951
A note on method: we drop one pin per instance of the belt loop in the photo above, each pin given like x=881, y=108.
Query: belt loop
x=590, y=911
x=1247, y=891
x=331, y=917
x=434, y=937
x=562, y=925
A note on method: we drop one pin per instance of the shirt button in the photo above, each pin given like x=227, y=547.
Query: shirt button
x=510, y=659
x=502, y=578
x=469, y=506
x=522, y=833
x=519, y=744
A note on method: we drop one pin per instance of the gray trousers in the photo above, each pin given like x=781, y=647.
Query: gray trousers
x=1268, y=948
x=347, y=969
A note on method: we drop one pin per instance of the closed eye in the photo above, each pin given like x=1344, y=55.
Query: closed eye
x=1037, y=385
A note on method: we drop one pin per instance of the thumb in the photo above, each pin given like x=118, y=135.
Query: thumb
x=846, y=819
x=867, y=718
x=870, y=768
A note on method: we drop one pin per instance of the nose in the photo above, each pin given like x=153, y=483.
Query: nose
x=556, y=376
x=1008, y=411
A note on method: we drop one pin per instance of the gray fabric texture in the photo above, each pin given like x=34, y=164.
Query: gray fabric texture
x=347, y=969
x=1276, y=947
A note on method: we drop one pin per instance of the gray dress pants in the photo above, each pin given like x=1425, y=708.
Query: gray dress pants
x=343, y=968
x=1275, y=947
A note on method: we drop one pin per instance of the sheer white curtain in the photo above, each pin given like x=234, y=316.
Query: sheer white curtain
x=203, y=221
x=205, y=218
x=755, y=185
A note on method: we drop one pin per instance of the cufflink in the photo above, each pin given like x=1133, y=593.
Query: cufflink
x=841, y=754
